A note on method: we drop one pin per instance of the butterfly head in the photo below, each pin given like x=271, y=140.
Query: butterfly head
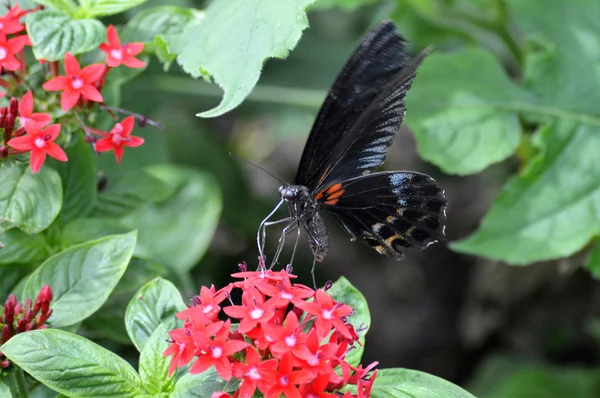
x=288, y=193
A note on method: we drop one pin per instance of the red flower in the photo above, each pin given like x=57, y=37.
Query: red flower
x=287, y=380
x=254, y=310
x=39, y=142
x=216, y=352
x=288, y=338
x=26, y=112
x=118, y=138
x=77, y=83
x=285, y=292
x=254, y=373
x=182, y=349
x=314, y=356
x=365, y=386
x=8, y=49
x=117, y=54
x=209, y=300
x=328, y=314
x=316, y=389
x=9, y=23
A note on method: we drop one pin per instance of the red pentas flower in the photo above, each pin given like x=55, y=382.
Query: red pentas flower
x=76, y=83
x=276, y=348
x=8, y=49
x=116, y=54
x=39, y=142
x=9, y=23
x=118, y=138
x=26, y=112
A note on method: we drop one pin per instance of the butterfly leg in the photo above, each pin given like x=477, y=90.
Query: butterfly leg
x=295, y=246
x=286, y=231
x=262, y=230
x=312, y=272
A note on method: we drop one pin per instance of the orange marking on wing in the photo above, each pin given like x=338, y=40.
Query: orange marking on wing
x=331, y=202
x=336, y=194
x=324, y=174
x=333, y=188
x=319, y=195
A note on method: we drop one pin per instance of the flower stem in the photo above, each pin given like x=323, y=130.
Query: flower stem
x=16, y=381
x=140, y=117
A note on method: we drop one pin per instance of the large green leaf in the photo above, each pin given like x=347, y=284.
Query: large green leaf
x=176, y=232
x=28, y=201
x=462, y=109
x=82, y=277
x=200, y=385
x=406, y=383
x=68, y=6
x=72, y=364
x=154, y=304
x=20, y=248
x=343, y=291
x=54, y=33
x=79, y=180
x=549, y=211
x=235, y=39
x=154, y=366
x=100, y=8
x=346, y=5
x=85, y=229
x=4, y=390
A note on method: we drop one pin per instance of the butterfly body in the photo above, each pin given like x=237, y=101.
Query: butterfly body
x=389, y=211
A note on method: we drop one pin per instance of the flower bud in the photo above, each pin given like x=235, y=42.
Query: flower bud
x=20, y=132
x=14, y=107
x=3, y=152
x=9, y=124
x=3, y=113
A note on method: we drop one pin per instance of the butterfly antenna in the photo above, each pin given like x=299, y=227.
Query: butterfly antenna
x=257, y=166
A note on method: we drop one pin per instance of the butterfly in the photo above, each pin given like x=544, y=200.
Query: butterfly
x=389, y=211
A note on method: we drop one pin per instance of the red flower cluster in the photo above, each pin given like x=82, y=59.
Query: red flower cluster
x=80, y=88
x=18, y=318
x=284, y=344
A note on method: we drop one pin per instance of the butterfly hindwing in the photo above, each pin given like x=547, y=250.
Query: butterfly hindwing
x=390, y=211
x=376, y=61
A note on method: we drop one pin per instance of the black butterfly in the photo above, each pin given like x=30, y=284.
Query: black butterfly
x=389, y=211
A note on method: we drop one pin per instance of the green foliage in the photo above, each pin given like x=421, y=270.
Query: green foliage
x=155, y=304
x=406, y=383
x=54, y=33
x=199, y=385
x=101, y=8
x=233, y=41
x=68, y=6
x=72, y=365
x=28, y=201
x=154, y=366
x=82, y=277
x=20, y=248
x=593, y=263
x=343, y=291
x=4, y=390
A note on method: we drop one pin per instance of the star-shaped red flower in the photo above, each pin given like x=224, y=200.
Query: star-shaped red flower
x=117, y=54
x=254, y=373
x=8, y=49
x=328, y=314
x=254, y=310
x=118, y=138
x=39, y=142
x=287, y=379
x=26, y=112
x=77, y=83
x=9, y=23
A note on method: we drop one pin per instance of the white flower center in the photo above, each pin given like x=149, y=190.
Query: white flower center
x=290, y=341
x=77, y=83
x=311, y=395
x=253, y=374
x=3, y=52
x=217, y=352
x=287, y=296
x=117, y=54
x=313, y=361
x=1, y=25
x=256, y=313
x=284, y=381
x=327, y=314
x=116, y=138
x=208, y=308
x=40, y=142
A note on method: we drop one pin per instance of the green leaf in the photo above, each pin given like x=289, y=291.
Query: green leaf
x=154, y=366
x=235, y=39
x=593, y=263
x=343, y=291
x=54, y=33
x=9, y=277
x=549, y=211
x=72, y=365
x=20, y=248
x=85, y=229
x=200, y=385
x=346, y=5
x=177, y=232
x=67, y=6
x=156, y=21
x=462, y=109
x=82, y=277
x=28, y=201
x=154, y=304
x=100, y=8
x=4, y=390
x=406, y=383
x=79, y=180
x=130, y=192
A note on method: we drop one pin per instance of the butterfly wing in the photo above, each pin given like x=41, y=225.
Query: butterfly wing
x=390, y=211
x=377, y=60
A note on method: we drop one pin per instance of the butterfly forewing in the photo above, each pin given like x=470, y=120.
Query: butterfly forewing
x=373, y=65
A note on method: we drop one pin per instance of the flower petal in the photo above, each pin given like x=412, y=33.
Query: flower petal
x=11, y=63
x=92, y=73
x=91, y=93
x=118, y=153
x=23, y=143
x=69, y=99
x=37, y=159
x=127, y=125
x=133, y=141
x=113, y=38
x=53, y=130
x=56, y=152
x=104, y=145
x=133, y=48
x=111, y=61
x=26, y=105
x=16, y=44
x=132, y=62
x=41, y=118
x=57, y=84
x=71, y=65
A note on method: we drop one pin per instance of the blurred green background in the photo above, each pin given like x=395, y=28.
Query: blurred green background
x=499, y=331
